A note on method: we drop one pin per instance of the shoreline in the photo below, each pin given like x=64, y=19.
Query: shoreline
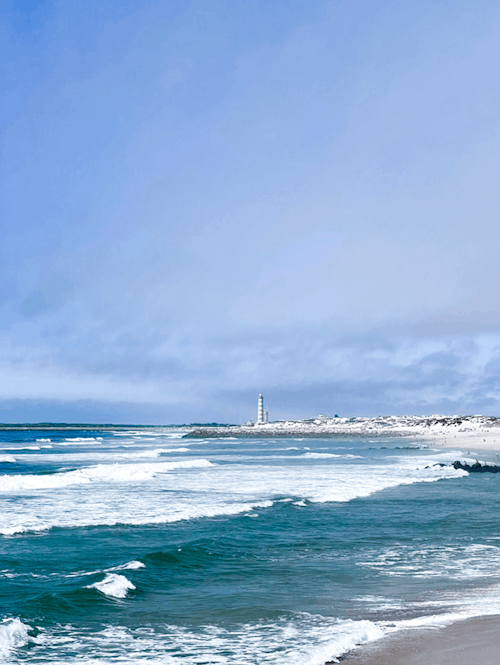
x=471, y=641
x=463, y=432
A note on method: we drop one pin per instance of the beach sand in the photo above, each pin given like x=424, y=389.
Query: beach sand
x=489, y=441
x=471, y=642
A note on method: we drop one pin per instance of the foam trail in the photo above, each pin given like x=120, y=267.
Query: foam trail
x=116, y=586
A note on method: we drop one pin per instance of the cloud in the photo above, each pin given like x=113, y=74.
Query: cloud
x=301, y=375
x=203, y=202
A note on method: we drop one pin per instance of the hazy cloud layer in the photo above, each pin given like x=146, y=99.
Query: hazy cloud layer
x=202, y=201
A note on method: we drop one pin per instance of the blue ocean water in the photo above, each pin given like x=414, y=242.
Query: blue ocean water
x=141, y=546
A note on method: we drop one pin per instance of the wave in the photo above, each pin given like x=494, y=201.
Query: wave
x=131, y=565
x=298, y=639
x=7, y=458
x=327, y=455
x=138, y=434
x=13, y=634
x=157, y=452
x=460, y=562
x=67, y=458
x=301, y=640
x=177, y=514
x=26, y=448
x=227, y=490
x=100, y=472
x=80, y=441
x=116, y=586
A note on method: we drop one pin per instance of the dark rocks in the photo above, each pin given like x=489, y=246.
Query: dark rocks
x=477, y=467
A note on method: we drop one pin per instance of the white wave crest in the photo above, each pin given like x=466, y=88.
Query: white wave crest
x=327, y=455
x=101, y=472
x=131, y=565
x=153, y=454
x=116, y=586
x=26, y=448
x=174, y=450
x=7, y=458
x=160, y=514
x=225, y=490
x=44, y=440
x=80, y=441
x=13, y=634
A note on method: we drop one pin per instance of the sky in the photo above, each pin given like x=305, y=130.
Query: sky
x=202, y=200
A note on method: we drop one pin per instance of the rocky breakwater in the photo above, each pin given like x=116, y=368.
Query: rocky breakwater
x=477, y=467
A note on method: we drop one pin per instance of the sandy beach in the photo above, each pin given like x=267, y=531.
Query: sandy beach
x=471, y=642
x=486, y=439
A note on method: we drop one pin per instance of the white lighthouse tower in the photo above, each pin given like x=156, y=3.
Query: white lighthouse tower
x=260, y=410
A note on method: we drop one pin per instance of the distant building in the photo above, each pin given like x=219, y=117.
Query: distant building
x=260, y=410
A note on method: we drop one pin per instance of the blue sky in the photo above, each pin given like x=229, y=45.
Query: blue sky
x=204, y=200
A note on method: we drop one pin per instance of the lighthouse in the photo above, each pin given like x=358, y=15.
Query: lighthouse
x=260, y=410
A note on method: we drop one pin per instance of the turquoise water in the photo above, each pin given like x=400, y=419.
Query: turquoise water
x=126, y=546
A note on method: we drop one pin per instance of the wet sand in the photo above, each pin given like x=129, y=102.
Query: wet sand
x=471, y=642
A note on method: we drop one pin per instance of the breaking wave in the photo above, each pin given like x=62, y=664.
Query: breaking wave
x=13, y=634
x=75, y=518
x=116, y=586
x=328, y=455
x=100, y=472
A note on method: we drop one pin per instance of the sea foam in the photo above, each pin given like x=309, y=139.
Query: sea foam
x=13, y=634
x=328, y=455
x=224, y=489
x=303, y=640
x=116, y=586
x=163, y=513
x=100, y=472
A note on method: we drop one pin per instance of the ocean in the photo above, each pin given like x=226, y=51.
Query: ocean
x=136, y=545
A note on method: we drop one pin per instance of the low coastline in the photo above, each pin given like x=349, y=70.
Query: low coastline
x=462, y=432
x=469, y=642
